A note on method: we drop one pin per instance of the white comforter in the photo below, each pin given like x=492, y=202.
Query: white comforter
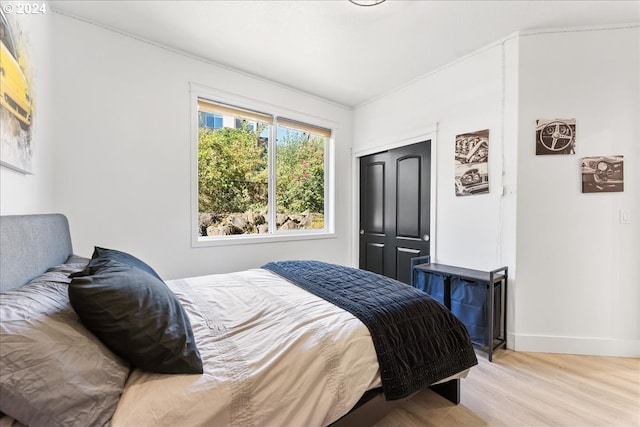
x=273, y=354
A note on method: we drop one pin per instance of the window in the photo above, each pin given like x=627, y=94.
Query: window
x=208, y=120
x=259, y=174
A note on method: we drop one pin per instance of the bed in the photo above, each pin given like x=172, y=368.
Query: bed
x=292, y=343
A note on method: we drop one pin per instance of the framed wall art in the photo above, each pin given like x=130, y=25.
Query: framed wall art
x=602, y=174
x=16, y=97
x=471, y=160
x=555, y=136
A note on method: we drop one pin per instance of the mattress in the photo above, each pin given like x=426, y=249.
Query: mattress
x=260, y=367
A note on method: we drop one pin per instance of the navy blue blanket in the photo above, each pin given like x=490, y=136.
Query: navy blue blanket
x=417, y=340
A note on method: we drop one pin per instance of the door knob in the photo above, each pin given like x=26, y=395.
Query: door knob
x=361, y=231
x=426, y=237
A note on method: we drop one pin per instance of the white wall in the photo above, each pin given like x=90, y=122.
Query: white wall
x=578, y=273
x=33, y=193
x=573, y=267
x=469, y=95
x=123, y=122
x=463, y=97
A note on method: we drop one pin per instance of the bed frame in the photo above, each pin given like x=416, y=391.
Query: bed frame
x=30, y=244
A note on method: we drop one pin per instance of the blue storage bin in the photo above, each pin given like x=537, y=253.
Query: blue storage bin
x=432, y=284
x=468, y=303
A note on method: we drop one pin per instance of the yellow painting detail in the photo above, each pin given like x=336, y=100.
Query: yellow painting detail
x=16, y=103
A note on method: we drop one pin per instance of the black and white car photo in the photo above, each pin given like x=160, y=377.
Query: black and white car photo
x=602, y=174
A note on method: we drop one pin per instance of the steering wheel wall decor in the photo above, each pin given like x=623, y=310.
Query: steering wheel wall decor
x=556, y=136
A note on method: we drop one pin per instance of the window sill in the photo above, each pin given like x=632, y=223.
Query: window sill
x=252, y=239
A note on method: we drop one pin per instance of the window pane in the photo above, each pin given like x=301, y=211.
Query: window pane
x=232, y=176
x=258, y=174
x=299, y=179
x=209, y=120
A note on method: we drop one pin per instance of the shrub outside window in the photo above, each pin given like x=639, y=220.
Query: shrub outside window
x=259, y=174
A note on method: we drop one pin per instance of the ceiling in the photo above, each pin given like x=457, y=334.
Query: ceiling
x=332, y=48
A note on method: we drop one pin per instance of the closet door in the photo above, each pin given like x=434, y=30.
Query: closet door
x=395, y=202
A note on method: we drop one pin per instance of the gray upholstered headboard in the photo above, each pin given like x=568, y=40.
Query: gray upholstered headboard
x=29, y=245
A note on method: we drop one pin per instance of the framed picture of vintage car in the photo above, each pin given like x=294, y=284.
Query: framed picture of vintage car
x=471, y=160
x=602, y=174
x=16, y=98
x=555, y=136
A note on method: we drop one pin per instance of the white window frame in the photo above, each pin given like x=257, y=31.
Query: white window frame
x=216, y=95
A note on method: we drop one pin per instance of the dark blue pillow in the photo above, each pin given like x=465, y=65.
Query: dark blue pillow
x=102, y=255
x=137, y=316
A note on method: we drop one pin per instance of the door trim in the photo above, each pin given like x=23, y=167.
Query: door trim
x=419, y=135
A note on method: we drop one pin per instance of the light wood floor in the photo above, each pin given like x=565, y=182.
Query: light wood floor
x=533, y=389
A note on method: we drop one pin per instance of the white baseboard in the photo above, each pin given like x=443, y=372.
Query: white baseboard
x=574, y=345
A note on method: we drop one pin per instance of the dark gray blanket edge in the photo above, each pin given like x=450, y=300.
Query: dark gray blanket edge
x=418, y=341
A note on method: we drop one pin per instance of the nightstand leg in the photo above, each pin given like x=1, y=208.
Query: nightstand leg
x=489, y=331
